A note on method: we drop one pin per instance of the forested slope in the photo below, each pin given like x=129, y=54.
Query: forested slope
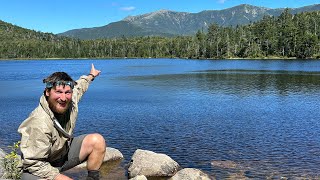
x=286, y=36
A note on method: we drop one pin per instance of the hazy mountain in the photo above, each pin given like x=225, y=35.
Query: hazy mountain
x=171, y=23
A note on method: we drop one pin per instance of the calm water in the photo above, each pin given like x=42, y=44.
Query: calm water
x=262, y=116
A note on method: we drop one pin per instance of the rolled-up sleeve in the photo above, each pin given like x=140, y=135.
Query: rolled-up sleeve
x=81, y=87
x=35, y=148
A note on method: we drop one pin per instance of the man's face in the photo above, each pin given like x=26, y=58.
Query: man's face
x=59, y=98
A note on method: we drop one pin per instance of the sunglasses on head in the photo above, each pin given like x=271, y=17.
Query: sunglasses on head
x=58, y=83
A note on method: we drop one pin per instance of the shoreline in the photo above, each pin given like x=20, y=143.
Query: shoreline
x=112, y=58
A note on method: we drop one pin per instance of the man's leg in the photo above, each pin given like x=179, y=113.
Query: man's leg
x=28, y=176
x=93, y=149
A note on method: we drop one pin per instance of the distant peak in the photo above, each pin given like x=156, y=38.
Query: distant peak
x=162, y=11
x=247, y=7
x=148, y=15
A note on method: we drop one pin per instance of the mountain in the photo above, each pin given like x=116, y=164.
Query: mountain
x=12, y=33
x=171, y=23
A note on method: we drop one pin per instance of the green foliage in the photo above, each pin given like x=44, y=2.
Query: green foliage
x=286, y=36
x=11, y=162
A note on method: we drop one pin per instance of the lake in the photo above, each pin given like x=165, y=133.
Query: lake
x=260, y=116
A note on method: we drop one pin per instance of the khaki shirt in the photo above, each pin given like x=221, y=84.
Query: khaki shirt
x=41, y=142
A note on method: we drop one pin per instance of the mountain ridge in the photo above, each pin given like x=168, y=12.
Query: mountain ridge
x=172, y=23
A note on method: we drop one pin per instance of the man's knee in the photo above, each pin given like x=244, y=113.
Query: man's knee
x=92, y=143
x=96, y=141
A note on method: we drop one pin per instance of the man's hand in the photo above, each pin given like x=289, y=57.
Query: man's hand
x=94, y=71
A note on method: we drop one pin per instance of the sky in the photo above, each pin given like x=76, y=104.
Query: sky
x=57, y=16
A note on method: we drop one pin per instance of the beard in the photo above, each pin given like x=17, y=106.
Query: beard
x=58, y=107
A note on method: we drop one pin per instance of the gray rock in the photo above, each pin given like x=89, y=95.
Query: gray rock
x=139, y=177
x=151, y=164
x=111, y=154
x=2, y=155
x=190, y=174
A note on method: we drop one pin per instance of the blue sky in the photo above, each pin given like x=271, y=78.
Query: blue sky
x=58, y=16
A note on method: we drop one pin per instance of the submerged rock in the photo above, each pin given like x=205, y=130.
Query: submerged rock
x=238, y=176
x=226, y=164
x=151, y=164
x=190, y=174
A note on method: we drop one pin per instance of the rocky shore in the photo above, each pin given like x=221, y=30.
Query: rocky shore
x=144, y=165
x=2, y=155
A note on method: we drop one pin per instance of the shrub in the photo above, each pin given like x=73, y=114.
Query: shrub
x=11, y=162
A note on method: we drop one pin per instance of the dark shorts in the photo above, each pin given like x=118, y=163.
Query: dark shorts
x=71, y=160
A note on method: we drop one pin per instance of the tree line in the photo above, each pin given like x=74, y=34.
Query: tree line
x=286, y=36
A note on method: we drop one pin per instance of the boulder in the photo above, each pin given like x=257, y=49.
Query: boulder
x=151, y=164
x=111, y=154
x=139, y=177
x=2, y=155
x=190, y=174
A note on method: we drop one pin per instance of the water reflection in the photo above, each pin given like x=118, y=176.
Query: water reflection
x=242, y=83
x=262, y=117
x=265, y=121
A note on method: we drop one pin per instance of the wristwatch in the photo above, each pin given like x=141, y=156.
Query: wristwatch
x=93, y=76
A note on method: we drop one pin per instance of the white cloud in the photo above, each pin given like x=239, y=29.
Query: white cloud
x=130, y=8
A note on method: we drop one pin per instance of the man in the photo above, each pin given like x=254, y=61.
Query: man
x=47, y=144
